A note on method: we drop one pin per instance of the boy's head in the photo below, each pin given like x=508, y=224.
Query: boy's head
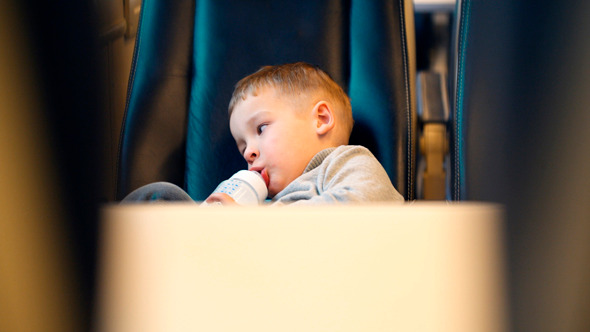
x=281, y=116
x=298, y=82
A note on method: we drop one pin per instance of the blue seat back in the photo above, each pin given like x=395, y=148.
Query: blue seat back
x=190, y=54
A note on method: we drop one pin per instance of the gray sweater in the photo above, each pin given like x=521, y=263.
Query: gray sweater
x=346, y=174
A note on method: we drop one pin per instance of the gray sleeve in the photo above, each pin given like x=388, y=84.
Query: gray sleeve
x=347, y=175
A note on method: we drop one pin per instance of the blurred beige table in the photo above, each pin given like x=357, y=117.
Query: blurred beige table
x=419, y=267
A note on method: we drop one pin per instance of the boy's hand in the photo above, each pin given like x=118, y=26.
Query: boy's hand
x=222, y=198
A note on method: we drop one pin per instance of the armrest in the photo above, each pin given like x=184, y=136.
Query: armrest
x=433, y=117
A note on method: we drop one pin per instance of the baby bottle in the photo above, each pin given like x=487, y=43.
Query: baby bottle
x=245, y=187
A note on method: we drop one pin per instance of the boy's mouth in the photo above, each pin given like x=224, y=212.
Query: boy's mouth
x=264, y=175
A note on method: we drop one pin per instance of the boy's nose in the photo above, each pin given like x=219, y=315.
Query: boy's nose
x=250, y=155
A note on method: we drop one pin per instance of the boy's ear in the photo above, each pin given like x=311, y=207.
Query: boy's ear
x=323, y=115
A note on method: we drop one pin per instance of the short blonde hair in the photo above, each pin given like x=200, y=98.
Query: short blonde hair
x=294, y=79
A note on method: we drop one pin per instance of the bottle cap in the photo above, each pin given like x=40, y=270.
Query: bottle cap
x=255, y=180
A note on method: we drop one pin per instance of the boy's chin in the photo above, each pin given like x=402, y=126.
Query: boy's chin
x=272, y=192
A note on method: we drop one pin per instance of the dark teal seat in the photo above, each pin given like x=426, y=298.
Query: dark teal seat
x=522, y=134
x=189, y=55
x=457, y=87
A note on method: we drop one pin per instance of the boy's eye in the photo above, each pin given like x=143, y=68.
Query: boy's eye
x=261, y=128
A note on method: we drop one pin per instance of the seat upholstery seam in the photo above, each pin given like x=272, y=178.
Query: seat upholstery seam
x=130, y=85
x=459, y=95
x=410, y=164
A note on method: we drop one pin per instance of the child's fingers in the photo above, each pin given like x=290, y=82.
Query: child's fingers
x=222, y=198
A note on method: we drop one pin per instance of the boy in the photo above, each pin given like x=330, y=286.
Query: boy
x=292, y=124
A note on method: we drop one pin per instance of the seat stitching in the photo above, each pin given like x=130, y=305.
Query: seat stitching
x=410, y=162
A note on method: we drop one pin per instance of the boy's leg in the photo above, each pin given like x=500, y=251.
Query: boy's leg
x=157, y=192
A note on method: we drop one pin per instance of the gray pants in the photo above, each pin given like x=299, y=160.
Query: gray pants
x=157, y=192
